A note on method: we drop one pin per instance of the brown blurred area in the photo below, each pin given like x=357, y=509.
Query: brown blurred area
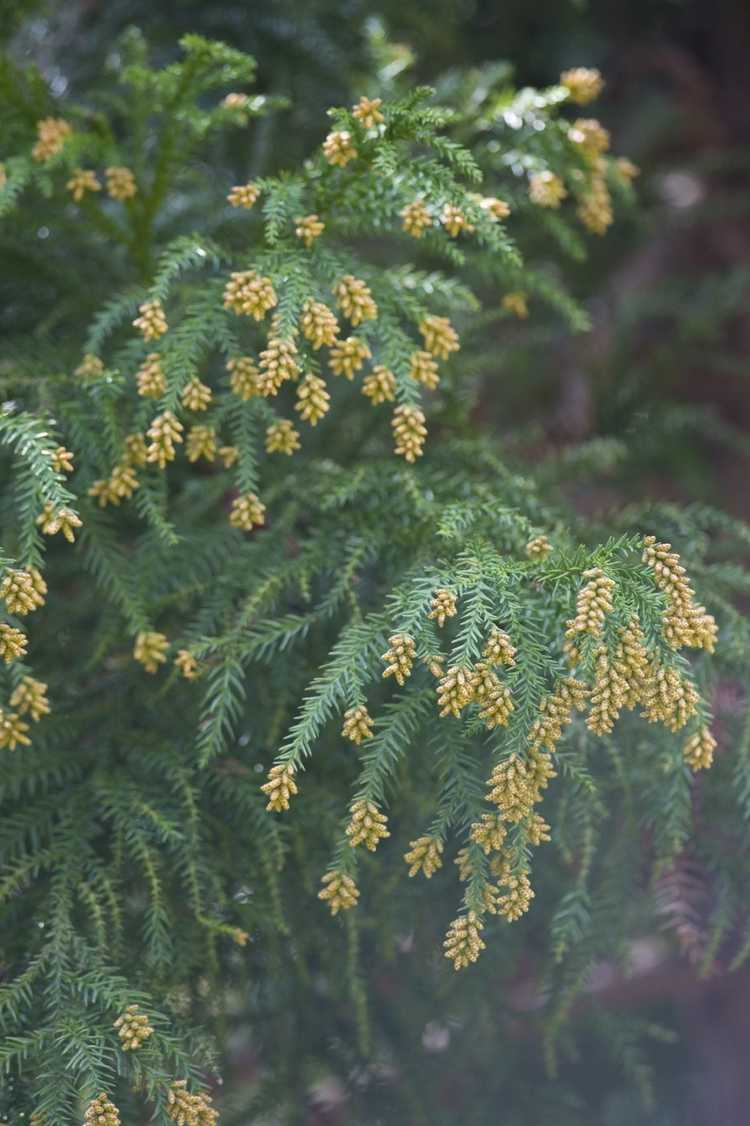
x=698, y=181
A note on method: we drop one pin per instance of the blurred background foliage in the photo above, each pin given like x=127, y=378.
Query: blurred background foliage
x=658, y=387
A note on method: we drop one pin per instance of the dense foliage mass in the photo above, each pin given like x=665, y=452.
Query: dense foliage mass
x=274, y=601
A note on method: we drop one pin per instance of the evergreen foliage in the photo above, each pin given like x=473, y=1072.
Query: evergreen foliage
x=509, y=673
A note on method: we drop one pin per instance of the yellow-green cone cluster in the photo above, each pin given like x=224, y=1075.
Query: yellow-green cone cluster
x=12, y=643
x=163, y=432
x=244, y=195
x=495, y=208
x=667, y=697
x=546, y=189
x=339, y=891
x=379, y=386
x=590, y=136
x=425, y=855
x=308, y=228
x=348, y=355
x=62, y=460
x=319, y=324
x=607, y=694
x=13, y=731
x=632, y=661
x=280, y=787
x=489, y=832
x=499, y=649
x=313, y=400
x=399, y=657
x=423, y=369
x=367, y=112
x=82, y=181
x=494, y=698
x=516, y=900
x=593, y=604
x=514, y=786
x=133, y=1028
x=463, y=942
x=594, y=209
x=23, y=591
x=52, y=521
x=187, y=664
x=29, y=697
x=443, y=606
x=440, y=337
x=201, y=443
x=358, y=724
x=101, y=1112
x=454, y=220
x=152, y=323
x=338, y=148
x=355, y=300
x=511, y=787
x=409, y=431
x=150, y=378
x=455, y=690
x=52, y=133
x=416, y=218
x=537, y=830
x=150, y=650
x=119, y=486
x=247, y=512
x=121, y=183
x=538, y=548
x=236, y=102
x=278, y=364
x=90, y=367
x=624, y=674
x=282, y=438
x=243, y=377
x=685, y=623
x=196, y=396
x=698, y=749
x=367, y=825
x=187, y=1109
x=516, y=303
x=249, y=294
x=556, y=712
x=626, y=170
x=464, y=865
x=584, y=84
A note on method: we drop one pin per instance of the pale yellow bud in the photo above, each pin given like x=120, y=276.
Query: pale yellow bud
x=280, y=787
